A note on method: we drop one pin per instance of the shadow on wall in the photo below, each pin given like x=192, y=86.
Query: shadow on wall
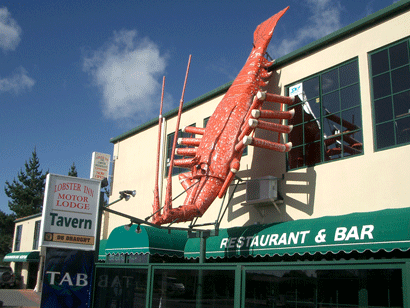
x=301, y=184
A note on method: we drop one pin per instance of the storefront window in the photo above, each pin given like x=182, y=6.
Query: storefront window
x=324, y=288
x=193, y=288
x=327, y=122
x=120, y=287
x=390, y=72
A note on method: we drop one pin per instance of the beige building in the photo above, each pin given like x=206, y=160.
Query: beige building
x=346, y=76
x=326, y=224
x=24, y=258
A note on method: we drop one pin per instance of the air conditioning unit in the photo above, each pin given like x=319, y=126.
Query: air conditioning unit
x=262, y=190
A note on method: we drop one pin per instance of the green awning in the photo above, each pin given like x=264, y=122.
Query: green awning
x=101, y=250
x=30, y=256
x=382, y=230
x=149, y=240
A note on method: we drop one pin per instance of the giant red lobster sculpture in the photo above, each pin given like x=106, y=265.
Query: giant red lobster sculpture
x=215, y=160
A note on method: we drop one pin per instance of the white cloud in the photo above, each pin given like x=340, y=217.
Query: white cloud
x=18, y=82
x=10, y=31
x=128, y=71
x=323, y=18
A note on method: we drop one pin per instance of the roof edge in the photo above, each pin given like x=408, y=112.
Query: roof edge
x=28, y=217
x=359, y=25
x=207, y=96
x=355, y=27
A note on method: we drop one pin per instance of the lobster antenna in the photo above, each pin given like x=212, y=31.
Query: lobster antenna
x=156, y=206
x=168, y=196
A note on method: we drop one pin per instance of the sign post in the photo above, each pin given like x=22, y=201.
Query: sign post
x=70, y=212
x=69, y=235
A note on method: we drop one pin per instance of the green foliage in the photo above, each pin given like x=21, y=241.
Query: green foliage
x=6, y=233
x=27, y=192
x=73, y=171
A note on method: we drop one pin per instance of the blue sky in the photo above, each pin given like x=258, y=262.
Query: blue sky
x=74, y=74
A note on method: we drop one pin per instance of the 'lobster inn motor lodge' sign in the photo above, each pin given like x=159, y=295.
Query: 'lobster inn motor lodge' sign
x=70, y=212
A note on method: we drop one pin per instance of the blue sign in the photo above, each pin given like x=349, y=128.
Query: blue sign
x=67, y=278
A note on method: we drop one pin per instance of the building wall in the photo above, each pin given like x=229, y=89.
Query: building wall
x=27, y=235
x=368, y=182
x=26, y=245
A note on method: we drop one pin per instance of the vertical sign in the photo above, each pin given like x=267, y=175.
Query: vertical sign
x=100, y=166
x=70, y=212
x=67, y=278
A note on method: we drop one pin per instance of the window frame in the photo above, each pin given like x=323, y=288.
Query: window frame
x=17, y=239
x=394, y=119
x=36, y=237
x=322, y=117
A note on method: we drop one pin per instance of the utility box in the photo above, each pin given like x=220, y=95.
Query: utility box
x=262, y=190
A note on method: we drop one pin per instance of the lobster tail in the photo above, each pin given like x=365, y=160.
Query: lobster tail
x=264, y=31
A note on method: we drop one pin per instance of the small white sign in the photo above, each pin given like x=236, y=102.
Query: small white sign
x=100, y=166
x=297, y=89
x=70, y=212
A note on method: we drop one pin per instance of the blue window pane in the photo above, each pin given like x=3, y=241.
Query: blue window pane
x=381, y=86
x=330, y=81
x=403, y=130
x=332, y=125
x=380, y=62
x=399, y=55
x=311, y=87
x=352, y=119
x=314, y=106
x=350, y=96
x=385, y=135
x=401, y=79
x=348, y=74
x=331, y=102
x=401, y=104
x=383, y=110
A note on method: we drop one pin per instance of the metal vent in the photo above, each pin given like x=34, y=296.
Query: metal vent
x=262, y=190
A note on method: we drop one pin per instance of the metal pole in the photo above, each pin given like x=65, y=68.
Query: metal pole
x=97, y=236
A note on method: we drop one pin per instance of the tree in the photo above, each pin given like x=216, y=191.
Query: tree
x=27, y=192
x=6, y=233
x=73, y=171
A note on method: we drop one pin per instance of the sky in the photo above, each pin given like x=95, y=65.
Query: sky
x=74, y=74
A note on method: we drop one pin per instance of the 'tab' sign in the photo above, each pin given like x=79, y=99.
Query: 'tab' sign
x=67, y=278
x=70, y=212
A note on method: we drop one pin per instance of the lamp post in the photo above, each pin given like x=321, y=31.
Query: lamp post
x=126, y=195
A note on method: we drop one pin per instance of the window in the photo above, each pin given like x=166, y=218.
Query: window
x=324, y=288
x=170, y=140
x=390, y=78
x=327, y=123
x=36, y=234
x=120, y=287
x=206, y=121
x=193, y=288
x=17, y=240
